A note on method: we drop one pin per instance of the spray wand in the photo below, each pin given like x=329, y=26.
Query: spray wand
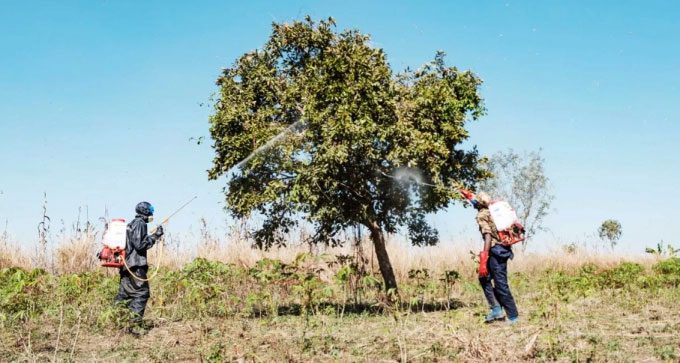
x=166, y=219
x=160, y=252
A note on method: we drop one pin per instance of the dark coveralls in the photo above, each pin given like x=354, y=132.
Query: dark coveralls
x=132, y=292
x=495, y=286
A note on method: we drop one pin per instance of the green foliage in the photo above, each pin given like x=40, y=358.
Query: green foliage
x=316, y=287
x=317, y=124
x=611, y=231
x=419, y=274
x=371, y=281
x=20, y=293
x=451, y=276
x=567, y=285
x=662, y=250
x=114, y=315
x=666, y=353
x=668, y=273
x=625, y=274
x=590, y=278
x=670, y=266
x=216, y=353
x=35, y=305
x=307, y=284
x=207, y=288
x=350, y=276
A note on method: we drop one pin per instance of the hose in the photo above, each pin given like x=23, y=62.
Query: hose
x=160, y=253
x=150, y=277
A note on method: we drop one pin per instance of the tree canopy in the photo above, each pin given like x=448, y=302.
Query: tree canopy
x=520, y=179
x=315, y=125
x=611, y=231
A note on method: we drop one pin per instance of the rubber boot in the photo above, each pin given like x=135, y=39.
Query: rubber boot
x=496, y=313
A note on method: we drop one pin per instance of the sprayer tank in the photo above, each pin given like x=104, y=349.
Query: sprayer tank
x=502, y=214
x=114, y=237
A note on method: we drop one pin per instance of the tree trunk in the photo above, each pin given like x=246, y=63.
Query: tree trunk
x=378, y=238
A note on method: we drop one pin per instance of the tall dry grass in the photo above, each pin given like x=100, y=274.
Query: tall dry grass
x=11, y=254
x=75, y=251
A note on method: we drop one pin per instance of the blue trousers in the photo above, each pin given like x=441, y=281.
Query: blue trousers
x=495, y=286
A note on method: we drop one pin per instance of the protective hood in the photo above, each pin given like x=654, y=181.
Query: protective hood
x=144, y=209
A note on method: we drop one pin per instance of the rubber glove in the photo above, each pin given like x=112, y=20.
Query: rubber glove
x=159, y=232
x=483, y=262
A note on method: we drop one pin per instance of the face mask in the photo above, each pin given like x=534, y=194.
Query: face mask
x=150, y=219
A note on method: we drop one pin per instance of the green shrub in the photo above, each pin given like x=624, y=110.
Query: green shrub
x=668, y=272
x=623, y=275
x=23, y=294
x=568, y=285
x=591, y=278
x=670, y=266
x=201, y=288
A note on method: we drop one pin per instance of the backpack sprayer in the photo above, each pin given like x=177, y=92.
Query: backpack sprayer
x=113, y=252
x=510, y=229
x=115, y=240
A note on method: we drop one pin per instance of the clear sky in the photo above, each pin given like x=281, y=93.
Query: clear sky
x=98, y=101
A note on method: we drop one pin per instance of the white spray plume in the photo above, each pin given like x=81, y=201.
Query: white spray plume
x=295, y=128
x=408, y=175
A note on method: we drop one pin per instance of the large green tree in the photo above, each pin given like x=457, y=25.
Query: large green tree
x=314, y=127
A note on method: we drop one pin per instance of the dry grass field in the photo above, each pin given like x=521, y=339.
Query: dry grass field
x=227, y=302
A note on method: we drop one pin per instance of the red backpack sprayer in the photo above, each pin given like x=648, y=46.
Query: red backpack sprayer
x=113, y=252
x=510, y=229
x=115, y=240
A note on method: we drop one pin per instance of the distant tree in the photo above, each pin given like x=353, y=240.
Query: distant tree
x=662, y=250
x=520, y=180
x=313, y=127
x=610, y=231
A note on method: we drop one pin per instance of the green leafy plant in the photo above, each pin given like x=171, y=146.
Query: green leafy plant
x=21, y=293
x=624, y=275
x=670, y=266
x=307, y=283
x=668, y=271
x=449, y=279
x=347, y=276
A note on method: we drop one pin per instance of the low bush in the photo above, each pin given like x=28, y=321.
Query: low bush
x=624, y=275
x=670, y=266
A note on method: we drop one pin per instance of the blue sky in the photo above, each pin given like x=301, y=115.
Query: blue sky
x=98, y=100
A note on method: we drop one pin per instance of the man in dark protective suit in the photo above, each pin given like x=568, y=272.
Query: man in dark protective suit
x=134, y=287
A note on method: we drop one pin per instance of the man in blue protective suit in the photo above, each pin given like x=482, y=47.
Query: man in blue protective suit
x=134, y=286
x=493, y=265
